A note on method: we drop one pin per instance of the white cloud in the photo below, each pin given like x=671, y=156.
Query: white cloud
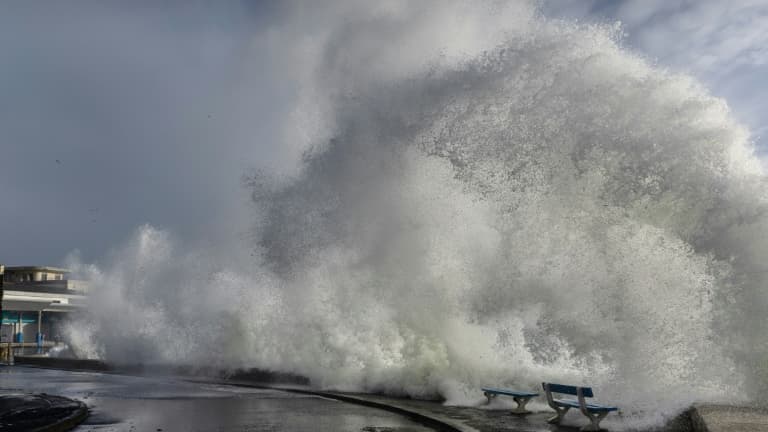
x=723, y=43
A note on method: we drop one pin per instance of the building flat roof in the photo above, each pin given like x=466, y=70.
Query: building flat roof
x=36, y=268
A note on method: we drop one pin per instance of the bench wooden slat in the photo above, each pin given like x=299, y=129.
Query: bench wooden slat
x=590, y=406
x=571, y=390
x=508, y=392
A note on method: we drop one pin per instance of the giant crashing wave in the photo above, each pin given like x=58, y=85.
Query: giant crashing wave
x=552, y=208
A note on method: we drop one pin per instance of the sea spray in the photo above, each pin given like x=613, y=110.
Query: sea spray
x=548, y=206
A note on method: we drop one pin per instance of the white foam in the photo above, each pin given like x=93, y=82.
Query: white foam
x=545, y=206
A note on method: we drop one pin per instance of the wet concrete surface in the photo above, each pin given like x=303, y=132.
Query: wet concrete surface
x=495, y=418
x=486, y=418
x=154, y=403
x=133, y=404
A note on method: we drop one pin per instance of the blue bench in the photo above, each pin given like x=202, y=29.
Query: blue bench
x=594, y=412
x=521, y=398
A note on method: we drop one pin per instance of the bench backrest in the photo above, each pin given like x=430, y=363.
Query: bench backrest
x=567, y=389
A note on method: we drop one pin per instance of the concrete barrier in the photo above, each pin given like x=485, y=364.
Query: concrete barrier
x=62, y=363
x=252, y=375
x=728, y=418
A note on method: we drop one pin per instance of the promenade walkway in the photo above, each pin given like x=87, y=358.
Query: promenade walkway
x=494, y=418
x=497, y=417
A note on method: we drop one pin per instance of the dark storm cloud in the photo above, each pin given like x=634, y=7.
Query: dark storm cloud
x=115, y=116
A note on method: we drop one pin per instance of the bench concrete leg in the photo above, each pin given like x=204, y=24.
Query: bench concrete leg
x=490, y=396
x=594, y=421
x=560, y=414
x=521, y=402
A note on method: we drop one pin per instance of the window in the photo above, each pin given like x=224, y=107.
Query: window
x=45, y=276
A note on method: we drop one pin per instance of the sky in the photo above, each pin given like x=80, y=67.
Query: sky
x=119, y=114
x=722, y=43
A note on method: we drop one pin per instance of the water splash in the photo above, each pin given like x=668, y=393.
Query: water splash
x=549, y=208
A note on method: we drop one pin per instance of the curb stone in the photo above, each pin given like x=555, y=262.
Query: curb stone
x=67, y=423
x=420, y=416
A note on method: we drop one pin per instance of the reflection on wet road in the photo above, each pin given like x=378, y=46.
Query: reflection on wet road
x=135, y=404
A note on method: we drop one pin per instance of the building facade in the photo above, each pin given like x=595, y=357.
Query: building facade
x=36, y=301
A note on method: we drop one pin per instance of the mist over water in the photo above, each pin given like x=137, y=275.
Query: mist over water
x=537, y=205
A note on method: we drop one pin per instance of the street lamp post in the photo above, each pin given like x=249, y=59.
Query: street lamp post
x=2, y=276
x=2, y=292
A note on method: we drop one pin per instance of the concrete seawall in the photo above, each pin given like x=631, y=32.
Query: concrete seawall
x=62, y=363
x=251, y=375
x=728, y=418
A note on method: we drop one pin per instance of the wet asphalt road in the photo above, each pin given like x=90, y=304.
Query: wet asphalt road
x=137, y=404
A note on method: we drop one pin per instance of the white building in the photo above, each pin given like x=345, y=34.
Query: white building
x=35, y=301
